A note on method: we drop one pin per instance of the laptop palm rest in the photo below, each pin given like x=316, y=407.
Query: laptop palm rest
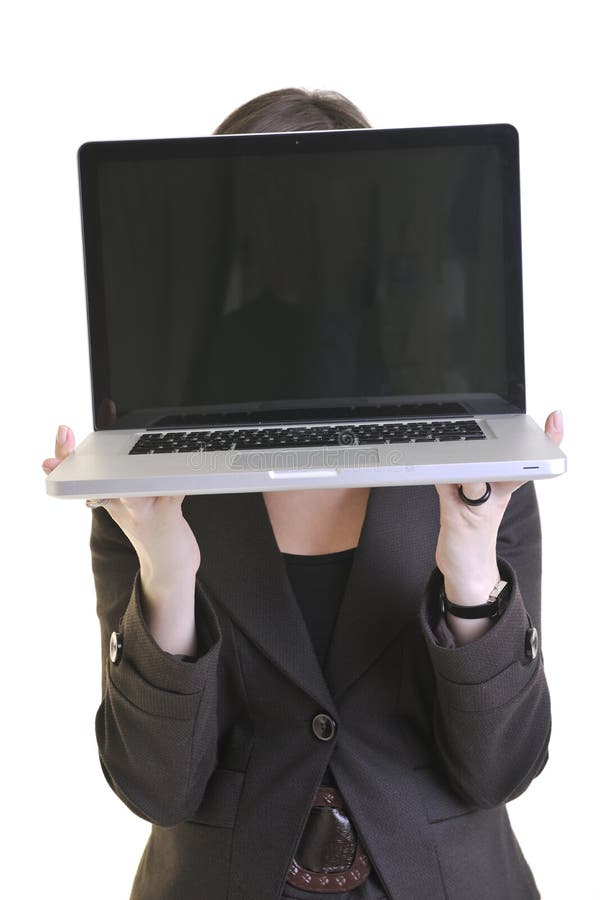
x=294, y=463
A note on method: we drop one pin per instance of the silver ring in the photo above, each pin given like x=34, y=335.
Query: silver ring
x=94, y=504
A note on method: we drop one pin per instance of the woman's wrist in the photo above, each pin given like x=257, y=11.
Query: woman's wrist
x=470, y=592
x=168, y=606
x=467, y=630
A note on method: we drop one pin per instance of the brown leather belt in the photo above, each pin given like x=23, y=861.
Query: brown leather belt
x=329, y=858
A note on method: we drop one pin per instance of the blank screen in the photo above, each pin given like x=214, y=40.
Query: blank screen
x=305, y=280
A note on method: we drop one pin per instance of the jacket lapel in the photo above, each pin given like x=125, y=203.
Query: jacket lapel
x=392, y=564
x=244, y=572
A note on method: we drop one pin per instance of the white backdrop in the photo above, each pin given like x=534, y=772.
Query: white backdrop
x=81, y=71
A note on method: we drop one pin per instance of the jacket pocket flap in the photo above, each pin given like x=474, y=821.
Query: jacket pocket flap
x=440, y=801
x=221, y=798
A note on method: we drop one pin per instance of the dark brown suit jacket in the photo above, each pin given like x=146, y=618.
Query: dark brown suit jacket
x=431, y=742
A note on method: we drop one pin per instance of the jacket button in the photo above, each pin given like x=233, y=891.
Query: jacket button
x=531, y=643
x=323, y=727
x=116, y=647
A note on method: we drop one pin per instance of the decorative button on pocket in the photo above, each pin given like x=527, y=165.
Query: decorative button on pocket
x=531, y=643
x=116, y=647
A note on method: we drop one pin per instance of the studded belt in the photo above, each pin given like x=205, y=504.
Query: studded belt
x=329, y=858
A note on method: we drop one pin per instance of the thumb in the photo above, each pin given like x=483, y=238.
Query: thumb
x=65, y=442
x=555, y=428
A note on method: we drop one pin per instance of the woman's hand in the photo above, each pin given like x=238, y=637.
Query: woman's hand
x=466, y=549
x=168, y=553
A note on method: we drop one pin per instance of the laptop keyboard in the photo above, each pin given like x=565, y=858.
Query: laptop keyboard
x=308, y=436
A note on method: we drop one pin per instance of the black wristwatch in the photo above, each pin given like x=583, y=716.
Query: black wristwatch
x=493, y=609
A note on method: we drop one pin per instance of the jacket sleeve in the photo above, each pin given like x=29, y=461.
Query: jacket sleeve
x=156, y=727
x=491, y=715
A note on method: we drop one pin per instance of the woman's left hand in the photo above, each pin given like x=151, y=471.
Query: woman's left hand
x=466, y=549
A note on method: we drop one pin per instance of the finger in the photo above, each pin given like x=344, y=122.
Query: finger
x=474, y=490
x=500, y=492
x=555, y=428
x=65, y=442
x=94, y=504
x=49, y=465
x=449, y=494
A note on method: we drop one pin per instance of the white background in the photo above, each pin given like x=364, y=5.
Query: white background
x=78, y=72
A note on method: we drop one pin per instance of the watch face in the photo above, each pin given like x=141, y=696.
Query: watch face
x=502, y=599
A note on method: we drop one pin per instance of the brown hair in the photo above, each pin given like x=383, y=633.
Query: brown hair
x=294, y=109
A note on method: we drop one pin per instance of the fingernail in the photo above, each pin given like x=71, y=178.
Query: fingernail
x=61, y=435
x=557, y=420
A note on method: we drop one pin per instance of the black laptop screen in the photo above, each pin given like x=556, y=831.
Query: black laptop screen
x=288, y=276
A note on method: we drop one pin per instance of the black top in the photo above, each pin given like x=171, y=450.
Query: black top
x=319, y=583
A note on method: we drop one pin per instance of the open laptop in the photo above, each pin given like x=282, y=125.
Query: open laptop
x=304, y=310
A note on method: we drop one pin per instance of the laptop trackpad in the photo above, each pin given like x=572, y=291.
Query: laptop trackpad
x=305, y=460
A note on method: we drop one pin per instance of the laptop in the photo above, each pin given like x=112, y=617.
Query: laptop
x=304, y=310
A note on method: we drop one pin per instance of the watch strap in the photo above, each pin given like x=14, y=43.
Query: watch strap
x=492, y=609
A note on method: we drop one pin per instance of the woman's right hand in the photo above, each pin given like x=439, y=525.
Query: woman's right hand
x=167, y=550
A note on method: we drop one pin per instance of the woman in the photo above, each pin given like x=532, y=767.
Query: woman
x=283, y=749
